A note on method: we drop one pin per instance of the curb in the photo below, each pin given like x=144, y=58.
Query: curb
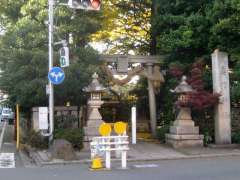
x=39, y=162
x=32, y=155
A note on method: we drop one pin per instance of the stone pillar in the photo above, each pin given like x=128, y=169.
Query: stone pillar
x=221, y=86
x=152, y=101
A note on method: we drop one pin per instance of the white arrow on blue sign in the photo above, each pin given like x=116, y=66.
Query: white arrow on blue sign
x=56, y=75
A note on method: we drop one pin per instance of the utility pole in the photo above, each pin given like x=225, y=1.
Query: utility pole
x=92, y=5
x=50, y=61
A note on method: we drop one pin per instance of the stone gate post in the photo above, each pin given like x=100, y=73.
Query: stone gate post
x=152, y=101
x=222, y=109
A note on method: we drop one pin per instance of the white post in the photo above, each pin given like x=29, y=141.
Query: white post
x=124, y=159
x=50, y=54
x=108, y=159
x=134, y=126
x=117, y=141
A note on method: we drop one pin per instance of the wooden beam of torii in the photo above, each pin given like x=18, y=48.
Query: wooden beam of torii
x=132, y=58
x=148, y=61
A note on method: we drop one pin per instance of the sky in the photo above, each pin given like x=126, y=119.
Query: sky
x=99, y=46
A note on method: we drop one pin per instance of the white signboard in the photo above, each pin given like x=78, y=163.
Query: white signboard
x=43, y=118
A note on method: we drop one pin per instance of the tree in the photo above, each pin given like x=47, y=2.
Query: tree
x=200, y=98
x=224, y=32
x=126, y=26
x=23, y=52
x=189, y=29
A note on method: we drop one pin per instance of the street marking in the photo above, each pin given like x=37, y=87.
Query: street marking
x=146, y=165
x=7, y=160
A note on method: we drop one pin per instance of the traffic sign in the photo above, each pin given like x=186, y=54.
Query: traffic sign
x=56, y=75
x=120, y=127
x=105, y=129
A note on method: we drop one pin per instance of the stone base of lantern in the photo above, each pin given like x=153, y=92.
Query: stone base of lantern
x=184, y=133
x=92, y=131
x=93, y=122
x=182, y=141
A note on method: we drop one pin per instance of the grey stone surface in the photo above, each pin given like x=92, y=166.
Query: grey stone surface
x=62, y=149
x=148, y=151
x=183, y=122
x=184, y=114
x=183, y=143
x=222, y=109
x=184, y=130
x=94, y=120
x=184, y=137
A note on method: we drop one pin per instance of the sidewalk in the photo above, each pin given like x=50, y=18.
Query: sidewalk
x=143, y=151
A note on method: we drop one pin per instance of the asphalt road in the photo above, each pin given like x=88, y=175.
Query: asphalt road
x=227, y=168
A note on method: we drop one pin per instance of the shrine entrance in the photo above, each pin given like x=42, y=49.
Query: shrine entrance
x=148, y=66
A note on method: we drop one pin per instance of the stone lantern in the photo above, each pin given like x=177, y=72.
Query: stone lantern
x=182, y=90
x=94, y=119
x=184, y=133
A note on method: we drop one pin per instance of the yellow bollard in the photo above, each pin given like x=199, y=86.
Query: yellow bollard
x=96, y=164
x=17, y=127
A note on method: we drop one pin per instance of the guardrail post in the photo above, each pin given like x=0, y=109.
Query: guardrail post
x=124, y=159
x=108, y=159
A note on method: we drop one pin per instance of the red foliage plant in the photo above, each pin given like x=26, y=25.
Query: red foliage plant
x=176, y=72
x=199, y=98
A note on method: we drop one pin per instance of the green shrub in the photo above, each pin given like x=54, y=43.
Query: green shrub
x=207, y=137
x=161, y=131
x=74, y=136
x=36, y=140
x=236, y=137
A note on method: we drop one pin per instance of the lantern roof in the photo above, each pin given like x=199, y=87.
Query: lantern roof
x=183, y=87
x=95, y=85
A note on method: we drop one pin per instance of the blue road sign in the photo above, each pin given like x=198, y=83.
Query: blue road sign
x=56, y=75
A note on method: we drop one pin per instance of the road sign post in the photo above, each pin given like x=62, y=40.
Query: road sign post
x=95, y=5
x=50, y=65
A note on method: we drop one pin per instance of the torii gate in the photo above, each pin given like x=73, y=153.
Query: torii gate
x=122, y=62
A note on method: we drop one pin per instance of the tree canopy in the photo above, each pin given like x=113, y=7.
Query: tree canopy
x=182, y=29
x=24, y=51
x=189, y=29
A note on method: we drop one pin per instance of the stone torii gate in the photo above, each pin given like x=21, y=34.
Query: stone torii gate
x=123, y=61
